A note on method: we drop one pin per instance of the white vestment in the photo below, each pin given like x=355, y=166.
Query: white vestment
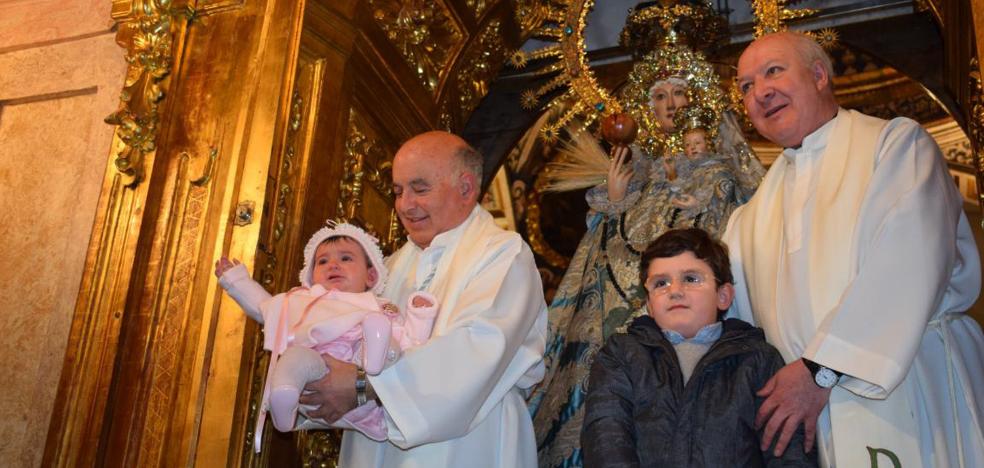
x=855, y=253
x=458, y=400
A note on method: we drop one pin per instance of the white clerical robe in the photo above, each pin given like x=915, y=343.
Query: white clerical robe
x=458, y=400
x=855, y=253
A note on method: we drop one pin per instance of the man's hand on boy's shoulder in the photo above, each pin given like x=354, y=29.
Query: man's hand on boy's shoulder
x=791, y=398
x=223, y=264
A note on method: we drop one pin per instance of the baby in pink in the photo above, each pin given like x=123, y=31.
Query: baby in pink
x=337, y=311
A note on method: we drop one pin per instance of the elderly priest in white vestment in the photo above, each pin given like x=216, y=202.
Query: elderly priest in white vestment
x=457, y=400
x=856, y=258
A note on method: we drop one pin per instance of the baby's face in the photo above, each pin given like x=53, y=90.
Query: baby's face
x=683, y=294
x=695, y=143
x=341, y=264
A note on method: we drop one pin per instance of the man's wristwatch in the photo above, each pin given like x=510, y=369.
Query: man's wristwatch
x=824, y=377
x=360, y=386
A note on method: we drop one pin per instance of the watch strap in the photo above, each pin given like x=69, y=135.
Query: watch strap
x=360, y=386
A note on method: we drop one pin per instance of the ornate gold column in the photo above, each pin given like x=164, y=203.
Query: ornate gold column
x=152, y=369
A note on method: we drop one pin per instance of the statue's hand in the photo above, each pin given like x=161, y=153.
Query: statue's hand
x=619, y=174
x=669, y=168
x=684, y=201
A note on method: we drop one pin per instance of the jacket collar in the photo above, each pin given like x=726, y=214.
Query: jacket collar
x=648, y=333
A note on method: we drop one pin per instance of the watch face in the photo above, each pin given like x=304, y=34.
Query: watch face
x=825, y=378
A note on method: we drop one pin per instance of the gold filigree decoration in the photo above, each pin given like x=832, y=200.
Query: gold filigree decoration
x=563, y=22
x=771, y=15
x=319, y=449
x=148, y=40
x=424, y=32
x=446, y=121
x=284, y=195
x=976, y=126
x=477, y=7
x=531, y=14
x=356, y=173
x=583, y=99
x=658, y=24
x=826, y=37
x=480, y=69
x=260, y=364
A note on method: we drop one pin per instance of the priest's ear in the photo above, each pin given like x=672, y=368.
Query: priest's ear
x=821, y=76
x=468, y=185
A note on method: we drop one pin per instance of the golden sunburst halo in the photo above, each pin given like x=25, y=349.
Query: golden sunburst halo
x=826, y=37
x=528, y=99
x=518, y=59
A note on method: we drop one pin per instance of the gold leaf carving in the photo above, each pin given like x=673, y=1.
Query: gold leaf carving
x=424, y=32
x=148, y=40
x=771, y=15
x=530, y=14
x=171, y=331
x=479, y=70
x=319, y=449
x=976, y=125
x=359, y=171
x=477, y=7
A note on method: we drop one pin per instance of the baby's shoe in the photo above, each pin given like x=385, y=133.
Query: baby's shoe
x=283, y=406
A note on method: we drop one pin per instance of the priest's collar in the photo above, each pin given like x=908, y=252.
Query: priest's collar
x=815, y=142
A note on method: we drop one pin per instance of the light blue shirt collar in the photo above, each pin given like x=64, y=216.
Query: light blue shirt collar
x=706, y=335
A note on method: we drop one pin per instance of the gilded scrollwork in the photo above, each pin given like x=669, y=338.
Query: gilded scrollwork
x=771, y=15
x=359, y=170
x=148, y=39
x=477, y=7
x=976, y=125
x=319, y=449
x=479, y=70
x=284, y=193
x=530, y=14
x=424, y=32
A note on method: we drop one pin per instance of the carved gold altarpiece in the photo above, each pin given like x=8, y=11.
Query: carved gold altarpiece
x=242, y=126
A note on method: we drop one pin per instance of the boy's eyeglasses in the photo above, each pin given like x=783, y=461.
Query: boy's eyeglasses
x=660, y=284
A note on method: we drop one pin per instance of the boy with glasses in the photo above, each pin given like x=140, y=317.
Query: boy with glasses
x=679, y=389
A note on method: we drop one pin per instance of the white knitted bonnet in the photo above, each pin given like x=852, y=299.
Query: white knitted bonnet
x=370, y=245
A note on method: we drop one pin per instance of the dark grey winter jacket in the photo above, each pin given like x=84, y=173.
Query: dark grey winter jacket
x=639, y=414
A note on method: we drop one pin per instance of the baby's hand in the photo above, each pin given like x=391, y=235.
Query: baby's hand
x=223, y=265
x=420, y=301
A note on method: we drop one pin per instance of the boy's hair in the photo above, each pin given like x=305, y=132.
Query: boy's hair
x=334, y=239
x=697, y=241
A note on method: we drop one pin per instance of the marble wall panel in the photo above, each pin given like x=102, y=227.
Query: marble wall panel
x=54, y=150
x=30, y=23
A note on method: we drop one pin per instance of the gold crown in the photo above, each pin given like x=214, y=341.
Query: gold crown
x=696, y=118
x=703, y=91
x=653, y=24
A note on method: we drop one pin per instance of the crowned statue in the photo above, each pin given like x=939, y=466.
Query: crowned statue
x=689, y=166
